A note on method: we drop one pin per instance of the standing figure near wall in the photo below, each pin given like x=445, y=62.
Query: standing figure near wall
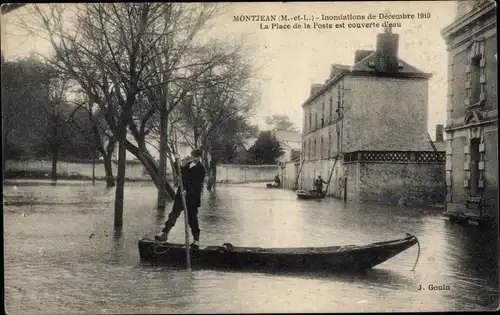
x=318, y=184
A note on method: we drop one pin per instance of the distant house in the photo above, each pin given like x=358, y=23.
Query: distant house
x=291, y=143
x=242, y=148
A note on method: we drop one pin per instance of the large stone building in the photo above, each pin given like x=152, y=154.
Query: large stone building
x=374, y=114
x=472, y=112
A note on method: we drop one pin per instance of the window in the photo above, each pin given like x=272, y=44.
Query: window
x=331, y=109
x=315, y=121
x=475, y=77
x=314, y=149
x=309, y=149
x=323, y=115
x=310, y=122
x=338, y=141
x=329, y=145
x=321, y=148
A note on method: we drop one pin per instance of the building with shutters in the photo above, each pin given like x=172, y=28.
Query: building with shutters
x=472, y=112
x=365, y=131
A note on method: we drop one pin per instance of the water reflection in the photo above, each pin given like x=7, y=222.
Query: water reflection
x=52, y=264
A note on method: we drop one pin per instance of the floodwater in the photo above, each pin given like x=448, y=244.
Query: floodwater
x=62, y=256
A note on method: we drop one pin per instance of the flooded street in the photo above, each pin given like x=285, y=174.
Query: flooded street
x=62, y=256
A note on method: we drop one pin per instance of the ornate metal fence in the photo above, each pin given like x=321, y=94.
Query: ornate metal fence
x=419, y=157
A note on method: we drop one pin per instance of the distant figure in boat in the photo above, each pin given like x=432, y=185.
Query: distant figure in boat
x=193, y=175
x=319, y=184
x=277, y=181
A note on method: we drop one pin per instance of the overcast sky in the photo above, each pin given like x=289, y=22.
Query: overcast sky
x=291, y=60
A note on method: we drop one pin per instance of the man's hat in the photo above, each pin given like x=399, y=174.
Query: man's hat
x=196, y=153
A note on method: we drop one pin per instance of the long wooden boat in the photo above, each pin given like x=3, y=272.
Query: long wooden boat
x=334, y=258
x=312, y=194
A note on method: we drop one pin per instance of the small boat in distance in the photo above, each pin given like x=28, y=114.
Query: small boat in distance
x=272, y=185
x=228, y=257
x=311, y=194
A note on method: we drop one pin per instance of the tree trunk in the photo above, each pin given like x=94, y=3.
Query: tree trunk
x=4, y=150
x=161, y=202
x=55, y=157
x=107, y=156
x=108, y=170
x=214, y=175
x=120, y=182
x=150, y=165
x=93, y=168
x=175, y=176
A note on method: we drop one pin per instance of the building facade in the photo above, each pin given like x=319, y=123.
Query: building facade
x=472, y=112
x=377, y=108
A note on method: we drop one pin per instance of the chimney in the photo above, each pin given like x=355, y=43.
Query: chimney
x=387, y=50
x=315, y=88
x=439, y=133
x=361, y=54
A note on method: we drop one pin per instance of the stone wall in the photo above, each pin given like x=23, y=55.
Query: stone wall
x=490, y=192
x=389, y=177
x=396, y=177
x=288, y=174
x=411, y=184
x=228, y=173
x=134, y=169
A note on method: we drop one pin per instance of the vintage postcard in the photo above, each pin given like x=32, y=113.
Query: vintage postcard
x=235, y=157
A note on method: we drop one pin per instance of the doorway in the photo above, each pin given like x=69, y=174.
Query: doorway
x=475, y=158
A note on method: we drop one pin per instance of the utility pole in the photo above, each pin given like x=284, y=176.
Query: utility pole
x=340, y=110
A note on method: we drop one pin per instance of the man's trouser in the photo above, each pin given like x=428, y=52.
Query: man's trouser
x=192, y=218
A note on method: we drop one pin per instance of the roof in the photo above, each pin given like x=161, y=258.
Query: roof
x=366, y=66
x=289, y=136
x=247, y=143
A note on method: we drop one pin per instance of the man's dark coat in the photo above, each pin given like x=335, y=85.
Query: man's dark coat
x=192, y=180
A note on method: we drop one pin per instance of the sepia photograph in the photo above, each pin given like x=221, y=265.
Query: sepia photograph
x=250, y=157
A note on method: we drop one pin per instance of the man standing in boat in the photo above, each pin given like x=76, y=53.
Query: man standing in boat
x=319, y=184
x=193, y=176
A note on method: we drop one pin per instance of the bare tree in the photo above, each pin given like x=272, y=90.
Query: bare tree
x=281, y=123
x=219, y=98
x=129, y=58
